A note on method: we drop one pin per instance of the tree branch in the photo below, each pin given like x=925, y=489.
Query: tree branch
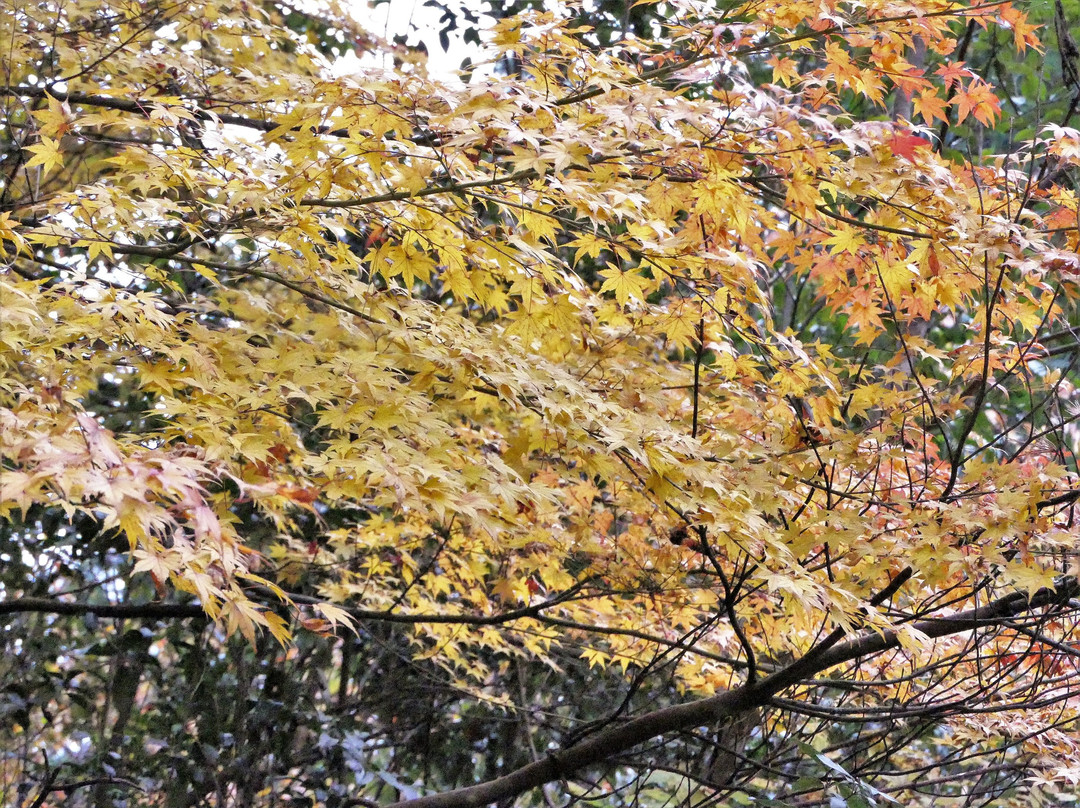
x=149, y=611
x=616, y=740
x=187, y=611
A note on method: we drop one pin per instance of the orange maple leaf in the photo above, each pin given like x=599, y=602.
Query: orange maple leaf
x=979, y=101
x=929, y=105
x=953, y=73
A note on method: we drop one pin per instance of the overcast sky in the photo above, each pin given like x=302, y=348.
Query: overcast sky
x=402, y=16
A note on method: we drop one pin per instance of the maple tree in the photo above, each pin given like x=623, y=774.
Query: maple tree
x=684, y=415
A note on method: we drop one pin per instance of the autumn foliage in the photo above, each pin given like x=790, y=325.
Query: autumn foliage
x=709, y=361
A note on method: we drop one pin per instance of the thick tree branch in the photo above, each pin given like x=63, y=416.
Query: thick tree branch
x=148, y=611
x=143, y=107
x=616, y=740
x=186, y=611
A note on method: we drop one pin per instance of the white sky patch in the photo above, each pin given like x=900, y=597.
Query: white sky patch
x=418, y=23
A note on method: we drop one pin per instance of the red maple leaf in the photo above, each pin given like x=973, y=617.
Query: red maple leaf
x=904, y=145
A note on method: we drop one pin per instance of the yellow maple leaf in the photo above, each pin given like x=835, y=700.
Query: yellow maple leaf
x=627, y=285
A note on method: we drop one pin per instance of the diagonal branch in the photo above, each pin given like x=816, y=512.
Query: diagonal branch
x=680, y=717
